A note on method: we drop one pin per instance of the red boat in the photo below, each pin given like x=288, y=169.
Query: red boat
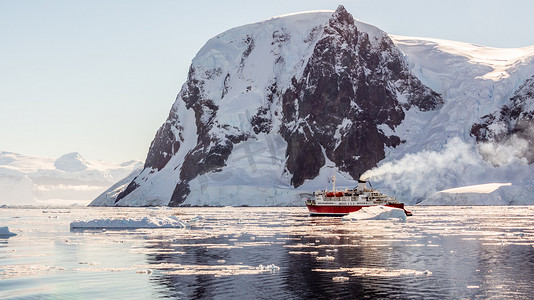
x=349, y=200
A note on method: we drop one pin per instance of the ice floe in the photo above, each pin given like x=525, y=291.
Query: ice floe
x=146, y=222
x=327, y=257
x=271, y=268
x=377, y=212
x=216, y=270
x=340, y=279
x=26, y=270
x=376, y=272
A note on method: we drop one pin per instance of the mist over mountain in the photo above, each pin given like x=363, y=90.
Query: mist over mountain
x=271, y=110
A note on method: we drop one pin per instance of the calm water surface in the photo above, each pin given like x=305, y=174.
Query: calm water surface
x=244, y=253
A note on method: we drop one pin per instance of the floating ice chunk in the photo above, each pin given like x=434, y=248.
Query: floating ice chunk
x=271, y=268
x=305, y=252
x=196, y=219
x=377, y=212
x=327, y=257
x=376, y=272
x=4, y=232
x=340, y=279
x=146, y=222
x=479, y=188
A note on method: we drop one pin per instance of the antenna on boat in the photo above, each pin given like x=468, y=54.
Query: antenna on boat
x=333, y=180
x=334, y=183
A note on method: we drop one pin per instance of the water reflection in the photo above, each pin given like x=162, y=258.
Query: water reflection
x=243, y=253
x=331, y=258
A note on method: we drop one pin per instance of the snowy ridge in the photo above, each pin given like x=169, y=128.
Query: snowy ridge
x=473, y=80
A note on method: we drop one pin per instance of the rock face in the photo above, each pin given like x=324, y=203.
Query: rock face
x=275, y=103
x=349, y=87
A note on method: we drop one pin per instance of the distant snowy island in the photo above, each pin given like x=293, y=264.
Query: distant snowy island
x=67, y=180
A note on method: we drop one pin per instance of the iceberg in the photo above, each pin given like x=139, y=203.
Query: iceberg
x=146, y=222
x=377, y=212
x=481, y=194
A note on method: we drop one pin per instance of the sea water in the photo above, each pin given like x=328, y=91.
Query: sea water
x=269, y=253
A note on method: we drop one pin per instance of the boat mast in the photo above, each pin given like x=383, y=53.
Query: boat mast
x=334, y=183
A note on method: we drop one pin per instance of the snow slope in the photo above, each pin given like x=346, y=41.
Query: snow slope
x=37, y=180
x=473, y=80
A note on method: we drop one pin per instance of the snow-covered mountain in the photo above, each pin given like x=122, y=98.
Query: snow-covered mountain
x=70, y=179
x=271, y=110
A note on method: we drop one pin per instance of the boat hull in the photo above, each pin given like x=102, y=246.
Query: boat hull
x=341, y=210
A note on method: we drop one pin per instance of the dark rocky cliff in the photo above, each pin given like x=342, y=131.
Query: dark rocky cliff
x=351, y=87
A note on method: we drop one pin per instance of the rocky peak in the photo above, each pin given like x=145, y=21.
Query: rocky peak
x=349, y=87
x=342, y=22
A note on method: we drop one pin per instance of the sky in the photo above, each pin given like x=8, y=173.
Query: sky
x=99, y=77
